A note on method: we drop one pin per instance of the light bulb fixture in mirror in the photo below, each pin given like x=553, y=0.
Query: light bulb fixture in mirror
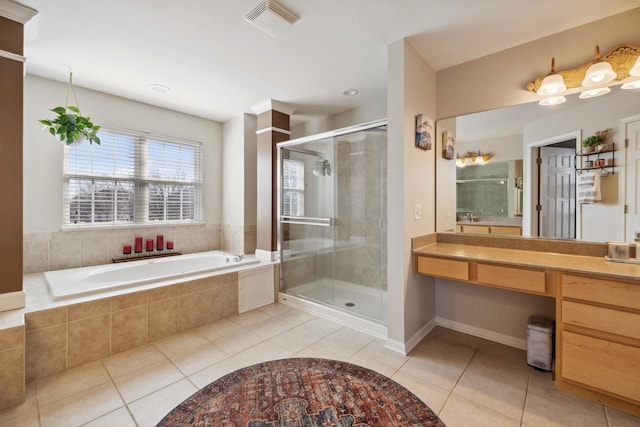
x=592, y=78
x=592, y=93
x=599, y=72
x=472, y=158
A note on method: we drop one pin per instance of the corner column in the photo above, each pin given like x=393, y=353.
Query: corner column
x=273, y=127
x=13, y=17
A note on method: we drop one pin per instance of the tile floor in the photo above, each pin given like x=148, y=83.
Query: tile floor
x=466, y=380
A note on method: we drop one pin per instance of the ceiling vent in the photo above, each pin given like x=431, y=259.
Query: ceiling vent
x=271, y=17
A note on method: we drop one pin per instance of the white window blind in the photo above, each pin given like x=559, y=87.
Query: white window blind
x=292, y=187
x=132, y=179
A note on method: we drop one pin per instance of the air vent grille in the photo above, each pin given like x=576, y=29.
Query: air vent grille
x=273, y=7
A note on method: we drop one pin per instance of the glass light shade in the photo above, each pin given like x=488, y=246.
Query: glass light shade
x=631, y=85
x=460, y=162
x=635, y=70
x=553, y=101
x=592, y=93
x=553, y=84
x=598, y=73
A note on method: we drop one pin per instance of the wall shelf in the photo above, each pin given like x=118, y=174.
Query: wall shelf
x=597, y=155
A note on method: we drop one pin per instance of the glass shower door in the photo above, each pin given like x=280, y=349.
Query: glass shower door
x=306, y=220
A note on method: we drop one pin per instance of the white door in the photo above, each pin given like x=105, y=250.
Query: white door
x=557, y=193
x=632, y=218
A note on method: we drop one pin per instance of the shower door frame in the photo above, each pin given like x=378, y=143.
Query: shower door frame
x=292, y=143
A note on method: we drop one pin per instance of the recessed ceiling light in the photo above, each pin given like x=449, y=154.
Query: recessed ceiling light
x=160, y=88
x=351, y=92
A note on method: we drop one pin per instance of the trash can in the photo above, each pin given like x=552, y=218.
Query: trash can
x=540, y=342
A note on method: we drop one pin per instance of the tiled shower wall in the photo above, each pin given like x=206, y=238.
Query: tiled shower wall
x=70, y=249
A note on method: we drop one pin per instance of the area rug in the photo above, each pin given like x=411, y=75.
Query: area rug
x=302, y=392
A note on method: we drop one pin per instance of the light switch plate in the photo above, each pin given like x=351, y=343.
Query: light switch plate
x=417, y=211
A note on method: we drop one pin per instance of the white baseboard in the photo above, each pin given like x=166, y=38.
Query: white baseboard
x=520, y=343
x=405, y=348
x=12, y=300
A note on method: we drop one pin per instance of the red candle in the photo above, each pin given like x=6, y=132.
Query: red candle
x=138, y=244
x=159, y=242
x=169, y=244
x=126, y=249
x=149, y=245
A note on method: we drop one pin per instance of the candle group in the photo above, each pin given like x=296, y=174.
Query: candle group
x=137, y=246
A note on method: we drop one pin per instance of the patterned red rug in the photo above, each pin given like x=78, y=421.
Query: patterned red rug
x=302, y=392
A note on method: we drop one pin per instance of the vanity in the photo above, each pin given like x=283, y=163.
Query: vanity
x=597, y=328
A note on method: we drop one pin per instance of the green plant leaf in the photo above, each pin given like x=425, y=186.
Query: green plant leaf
x=45, y=122
x=74, y=109
x=59, y=110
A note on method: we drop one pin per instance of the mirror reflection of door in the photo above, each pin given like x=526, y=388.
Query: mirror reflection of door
x=556, y=207
x=632, y=220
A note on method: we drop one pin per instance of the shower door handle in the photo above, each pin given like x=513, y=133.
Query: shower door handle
x=305, y=220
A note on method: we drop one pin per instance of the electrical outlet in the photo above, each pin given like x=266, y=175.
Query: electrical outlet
x=417, y=211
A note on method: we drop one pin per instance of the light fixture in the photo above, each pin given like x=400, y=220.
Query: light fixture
x=635, y=70
x=472, y=158
x=271, y=17
x=599, y=72
x=553, y=83
x=351, y=92
x=631, y=85
x=591, y=78
x=553, y=101
x=592, y=93
x=160, y=88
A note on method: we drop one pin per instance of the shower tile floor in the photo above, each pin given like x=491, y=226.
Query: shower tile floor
x=466, y=380
x=345, y=296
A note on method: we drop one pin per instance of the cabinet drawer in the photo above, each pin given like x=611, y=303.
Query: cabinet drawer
x=506, y=229
x=448, y=268
x=601, y=319
x=514, y=278
x=477, y=229
x=603, y=291
x=605, y=365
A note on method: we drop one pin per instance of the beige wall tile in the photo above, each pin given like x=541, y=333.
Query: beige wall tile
x=35, y=255
x=24, y=414
x=191, y=311
x=221, y=301
x=165, y=292
x=12, y=381
x=128, y=328
x=95, y=251
x=45, y=318
x=193, y=286
x=216, y=281
x=63, y=252
x=129, y=301
x=12, y=337
x=88, y=340
x=163, y=318
x=46, y=352
x=89, y=309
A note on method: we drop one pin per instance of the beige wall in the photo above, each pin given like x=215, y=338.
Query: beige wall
x=410, y=177
x=500, y=79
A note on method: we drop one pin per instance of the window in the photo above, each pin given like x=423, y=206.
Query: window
x=132, y=179
x=292, y=187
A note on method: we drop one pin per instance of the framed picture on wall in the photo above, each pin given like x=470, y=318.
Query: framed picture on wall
x=448, y=146
x=424, y=133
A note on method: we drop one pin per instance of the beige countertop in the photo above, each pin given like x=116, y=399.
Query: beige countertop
x=565, y=262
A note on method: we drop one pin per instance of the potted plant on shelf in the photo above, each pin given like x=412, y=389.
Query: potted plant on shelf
x=590, y=143
x=71, y=127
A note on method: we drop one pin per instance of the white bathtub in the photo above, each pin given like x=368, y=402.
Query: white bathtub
x=89, y=280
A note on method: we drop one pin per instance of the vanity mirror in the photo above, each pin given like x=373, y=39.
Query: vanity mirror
x=526, y=132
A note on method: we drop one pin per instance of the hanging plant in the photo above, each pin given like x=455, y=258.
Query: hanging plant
x=69, y=126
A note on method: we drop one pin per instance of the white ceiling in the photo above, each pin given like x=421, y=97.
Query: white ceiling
x=218, y=65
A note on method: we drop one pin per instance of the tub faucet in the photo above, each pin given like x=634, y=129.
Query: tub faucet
x=238, y=257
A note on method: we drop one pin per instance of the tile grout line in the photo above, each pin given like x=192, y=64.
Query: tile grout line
x=113, y=382
x=526, y=396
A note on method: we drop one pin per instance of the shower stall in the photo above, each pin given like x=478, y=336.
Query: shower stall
x=332, y=222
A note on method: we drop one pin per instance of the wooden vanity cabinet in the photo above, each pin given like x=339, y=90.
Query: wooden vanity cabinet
x=598, y=339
